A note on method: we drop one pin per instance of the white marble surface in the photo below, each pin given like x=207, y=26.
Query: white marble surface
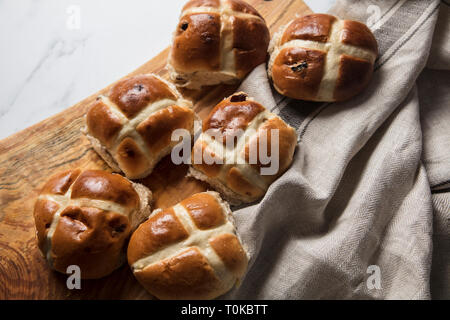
x=54, y=53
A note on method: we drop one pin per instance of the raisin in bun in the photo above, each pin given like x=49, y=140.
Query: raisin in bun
x=188, y=251
x=319, y=57
x=237, y=170
x=131, y=128
x=217, y=41
x=85, y=218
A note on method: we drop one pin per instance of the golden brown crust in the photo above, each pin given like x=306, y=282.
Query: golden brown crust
x=197, y=43
x=160, y=230
x=75, y=228
x=131, y=158
x=230, y=251
x=60, y=183
x=358, y=34
x=157, y=129
x=102, y=123
x=187, y=275
x=243, y=7
x=218, y=184
x=135, y=141
x=217, y=42
x=249, y=51
x=211, y=169
x=314, y=27
x=231, y=115
x=44, y=210
x=287, y=140
x=133, y=94
x=240, y=179
x=297, y=72
x=305, y=52
x=354, y=75
x=101, y=185
x=91, y=239
x=173, y=258
x=239, y=184
x=204, y=210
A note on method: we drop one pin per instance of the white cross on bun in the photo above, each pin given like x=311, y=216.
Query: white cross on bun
x=132, y=127
x=232, y=173
x=217, y=41
x=85, y=218
x=319, y=57
x=188, y=251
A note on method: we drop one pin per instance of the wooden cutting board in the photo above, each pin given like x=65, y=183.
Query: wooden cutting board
x=30, y=157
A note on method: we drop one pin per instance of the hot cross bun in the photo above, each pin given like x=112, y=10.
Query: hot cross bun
x=188, y=251
x=319, y=57
x=85, y=218
x=132, y=127
x=229, y=153
x=217, y=41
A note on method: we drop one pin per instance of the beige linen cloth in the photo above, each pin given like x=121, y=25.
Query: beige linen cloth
x=370, y=183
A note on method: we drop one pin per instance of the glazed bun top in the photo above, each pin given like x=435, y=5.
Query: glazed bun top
x=84, y=218
x=131, y=127
x=229, y=148
x=188, y=251
x=319, y=57
x=220, y=39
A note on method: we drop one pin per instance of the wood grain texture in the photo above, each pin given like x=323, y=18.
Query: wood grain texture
x=29, y=157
